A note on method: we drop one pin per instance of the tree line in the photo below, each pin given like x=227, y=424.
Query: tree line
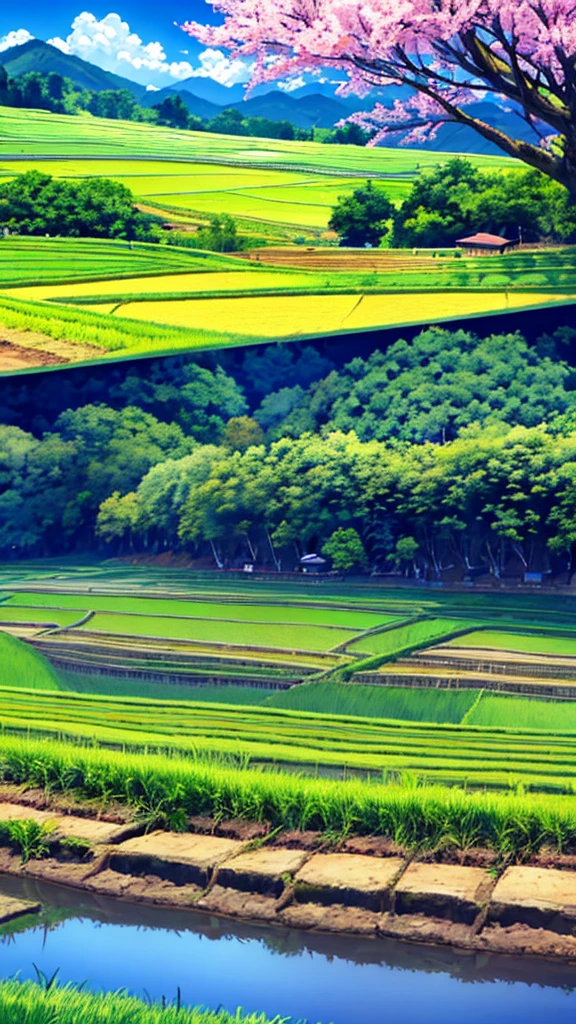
x=60, y=95
x=454, y=200
x=412, y=462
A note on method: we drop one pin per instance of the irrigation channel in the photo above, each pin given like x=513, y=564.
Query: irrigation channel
x=306, y=977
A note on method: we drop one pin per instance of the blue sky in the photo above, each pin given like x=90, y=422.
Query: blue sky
x=134, y=38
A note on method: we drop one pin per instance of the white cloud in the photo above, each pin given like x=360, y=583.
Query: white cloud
x=15, y=38
x=60, y=44
x=152, y=88
x=110, y=43
x=215, y=64
x=292, y=84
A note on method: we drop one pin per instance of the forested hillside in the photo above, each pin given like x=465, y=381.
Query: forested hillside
x=450, y=450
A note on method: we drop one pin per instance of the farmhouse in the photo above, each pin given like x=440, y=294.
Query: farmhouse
x=485, y=244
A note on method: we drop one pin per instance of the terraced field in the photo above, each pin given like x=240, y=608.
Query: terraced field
x=39, y=133
x=40, y=261
x=298, y=740
x=198, y=301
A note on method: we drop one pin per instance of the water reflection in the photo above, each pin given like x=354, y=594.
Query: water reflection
x=307, y=976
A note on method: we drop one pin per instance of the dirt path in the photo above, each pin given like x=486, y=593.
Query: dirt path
x=24, y=350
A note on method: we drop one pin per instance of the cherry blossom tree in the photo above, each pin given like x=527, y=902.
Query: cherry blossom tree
x=448, y=53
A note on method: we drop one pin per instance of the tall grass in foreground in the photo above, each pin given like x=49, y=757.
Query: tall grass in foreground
x=28, y=1003
x=168, y=789
x=20, y=665
x=410, y=705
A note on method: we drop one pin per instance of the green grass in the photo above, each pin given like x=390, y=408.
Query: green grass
x=28, y=1003
x=286, y=637
x=512, y=823
x=415, y=634
x=20, y=666
x=345, y=618
x=441, y=706
x=525, y=643
x=117, y=686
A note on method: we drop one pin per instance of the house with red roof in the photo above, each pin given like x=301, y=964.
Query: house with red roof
x=485, y=244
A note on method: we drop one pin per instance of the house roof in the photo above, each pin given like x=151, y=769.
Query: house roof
x=312, y=560
x=482, y=238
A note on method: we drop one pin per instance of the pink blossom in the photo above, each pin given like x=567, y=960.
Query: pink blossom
x=449, y=52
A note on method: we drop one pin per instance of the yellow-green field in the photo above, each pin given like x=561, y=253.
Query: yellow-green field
x=282, y=316
x=278, y=185
x=39, y=133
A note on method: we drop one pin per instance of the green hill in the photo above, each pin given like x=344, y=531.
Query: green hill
x=36, y=55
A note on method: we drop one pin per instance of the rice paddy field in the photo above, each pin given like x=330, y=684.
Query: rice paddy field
x=115, y=635
x=106, y=291
x=248, y=697
x=189, y=300
x=39, y=133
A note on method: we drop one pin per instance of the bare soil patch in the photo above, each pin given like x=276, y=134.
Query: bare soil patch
x=21, y=350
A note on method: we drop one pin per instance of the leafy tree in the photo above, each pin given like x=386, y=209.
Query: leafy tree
x=37, y=204
x=457, y=199
x=348, y=135
x=172, y=111
x=361, y=218
x=433, y=387
x=345, y=550
x=241, y=433
x=228, y=122
x=117, y=517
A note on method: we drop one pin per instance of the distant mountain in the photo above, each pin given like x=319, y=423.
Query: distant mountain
x=457, y=138
x=314, y=110
x=320, y=111
x=205, y=88
x=36, y=55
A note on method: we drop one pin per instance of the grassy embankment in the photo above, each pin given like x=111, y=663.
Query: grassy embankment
x=20, y=665
x=514, y=824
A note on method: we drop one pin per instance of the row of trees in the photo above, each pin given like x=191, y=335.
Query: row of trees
x=493, y=494
x=454, y=200
x=191, y=461
x=54, y=92
x=37, y=204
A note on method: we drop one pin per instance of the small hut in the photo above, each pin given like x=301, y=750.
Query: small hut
x=484, y=244
x=312, y=563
